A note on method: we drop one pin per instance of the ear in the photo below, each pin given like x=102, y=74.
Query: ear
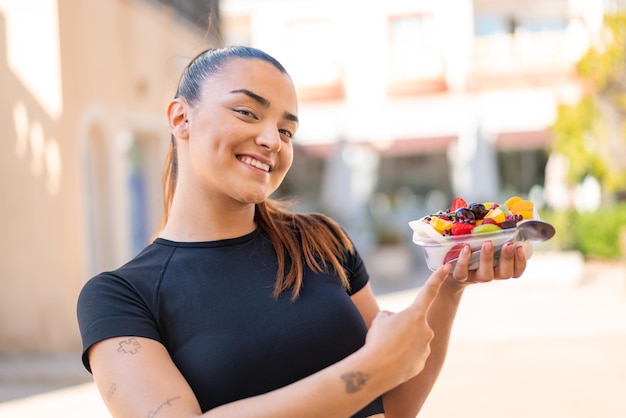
x=177, y=118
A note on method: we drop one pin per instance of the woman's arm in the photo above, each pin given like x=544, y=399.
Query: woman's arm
x=407, y=399
x=137, y=378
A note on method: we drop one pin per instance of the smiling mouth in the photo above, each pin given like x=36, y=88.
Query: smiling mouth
x=255, y=163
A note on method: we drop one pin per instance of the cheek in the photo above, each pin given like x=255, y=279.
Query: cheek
x=285, y=160
x=290, y=160
x=287, y=156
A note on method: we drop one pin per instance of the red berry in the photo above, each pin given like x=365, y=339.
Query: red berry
x=458, y=203
x=461, y=228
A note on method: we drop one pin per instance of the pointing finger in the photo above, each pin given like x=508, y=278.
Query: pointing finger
x=429, y=291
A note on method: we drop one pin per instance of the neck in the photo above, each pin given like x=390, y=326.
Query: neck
x=207, y=222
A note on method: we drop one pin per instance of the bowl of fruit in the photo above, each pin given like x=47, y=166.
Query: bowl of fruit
x=442, y=235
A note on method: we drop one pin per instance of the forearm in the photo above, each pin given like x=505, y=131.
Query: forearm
x=147, y=383
x=339, y=391
x=407, y=399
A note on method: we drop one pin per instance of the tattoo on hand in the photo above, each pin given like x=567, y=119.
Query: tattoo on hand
x=168, y=402
x=130, y=346
x=355, y=381
x=111, y=392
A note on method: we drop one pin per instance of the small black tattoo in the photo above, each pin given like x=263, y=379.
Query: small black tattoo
x=355, y=381
x=111, y=392
x=130, y=346
x=168, y=402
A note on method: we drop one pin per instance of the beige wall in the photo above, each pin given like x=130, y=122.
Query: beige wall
x=64, y=167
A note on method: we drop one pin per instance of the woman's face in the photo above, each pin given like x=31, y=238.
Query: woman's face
x=240, y=132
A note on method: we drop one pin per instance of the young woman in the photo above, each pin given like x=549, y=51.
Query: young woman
x=241, y=308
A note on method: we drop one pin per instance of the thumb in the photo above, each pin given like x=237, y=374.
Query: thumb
x=430, y=290
x=383, y=313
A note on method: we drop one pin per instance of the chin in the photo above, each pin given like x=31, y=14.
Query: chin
x=253, y=198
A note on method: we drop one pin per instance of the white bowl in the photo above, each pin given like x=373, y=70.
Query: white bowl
x=440, y=249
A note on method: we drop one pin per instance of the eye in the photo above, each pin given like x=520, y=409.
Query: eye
x=286, y=132
x=246, y=113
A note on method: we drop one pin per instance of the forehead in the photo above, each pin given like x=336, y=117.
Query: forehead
x=254, y=75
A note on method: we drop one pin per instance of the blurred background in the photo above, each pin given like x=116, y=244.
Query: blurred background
x=404, y=104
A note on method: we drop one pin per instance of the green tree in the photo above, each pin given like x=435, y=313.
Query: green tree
x=592, y=132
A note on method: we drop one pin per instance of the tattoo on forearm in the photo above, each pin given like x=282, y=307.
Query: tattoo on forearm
x=111, y=392
x=168, y=402
x=129, y=346
x=355, y=381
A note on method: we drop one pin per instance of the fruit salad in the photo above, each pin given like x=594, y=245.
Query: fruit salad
x=477, y=218
x=443, y=234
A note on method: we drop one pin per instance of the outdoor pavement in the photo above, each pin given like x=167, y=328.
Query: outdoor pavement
x=549, y=345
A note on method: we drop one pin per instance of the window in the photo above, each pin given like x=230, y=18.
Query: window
x=485, y=25
x=123, y=195
x=203, y=14
x=143, y=177
x=520, y=170
x=314, y=62
x=415, y=63
x=99, y=202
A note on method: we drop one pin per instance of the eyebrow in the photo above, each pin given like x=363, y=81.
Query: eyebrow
x=265, y=103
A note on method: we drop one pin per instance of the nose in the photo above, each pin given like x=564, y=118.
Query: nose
x=270, y=139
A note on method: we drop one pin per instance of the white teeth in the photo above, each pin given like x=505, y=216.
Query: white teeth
x=255, y=163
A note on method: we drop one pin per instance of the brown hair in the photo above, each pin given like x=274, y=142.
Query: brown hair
x=298, y=238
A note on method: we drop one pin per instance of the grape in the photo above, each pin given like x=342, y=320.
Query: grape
x=465, y=215
x=479, y=210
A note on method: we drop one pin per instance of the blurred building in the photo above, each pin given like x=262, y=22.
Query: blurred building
x=448, y=98
x=404, y=103
x=84, y=87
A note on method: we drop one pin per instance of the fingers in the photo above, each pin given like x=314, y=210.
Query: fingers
x=511, y=263
x=429, y=291
x=506, y=266
x=517, y=263
x=485, y=272
x=520, y=261
x=462, y=264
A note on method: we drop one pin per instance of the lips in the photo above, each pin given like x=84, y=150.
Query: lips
x=255, y=163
